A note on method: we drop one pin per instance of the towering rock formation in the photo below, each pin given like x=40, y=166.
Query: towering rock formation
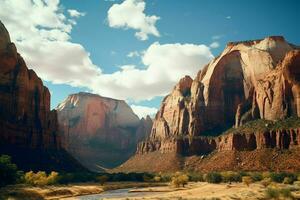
x=27, y=125
x=100, y=131
x=250, y=80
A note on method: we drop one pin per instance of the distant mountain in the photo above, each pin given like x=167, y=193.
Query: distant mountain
x=28, y=129
x=252, y=86
x=100, y=131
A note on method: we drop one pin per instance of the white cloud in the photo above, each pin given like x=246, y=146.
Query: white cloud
x=164, y=65
x=42, y=34
x=143, y=111
x=43, y=39
x=75, y=13
x=130, y=14
x=214, y=45
x=133, y=54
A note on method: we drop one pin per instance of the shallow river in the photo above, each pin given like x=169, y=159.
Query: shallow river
x=120, y=193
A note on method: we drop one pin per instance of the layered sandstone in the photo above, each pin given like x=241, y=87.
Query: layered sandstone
x=250, y=80
x=100, y=131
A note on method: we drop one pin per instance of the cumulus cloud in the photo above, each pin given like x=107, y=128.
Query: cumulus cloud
x=42, y=34
x=164, y=65
x=214, y=45
x=130, y=14
x=75, y=13
x=143, y=111
x=43, y=39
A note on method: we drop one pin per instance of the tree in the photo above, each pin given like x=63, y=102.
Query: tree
x=9, y=173
x=41, y=178
x=180, y=179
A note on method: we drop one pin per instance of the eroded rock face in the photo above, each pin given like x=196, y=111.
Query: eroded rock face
x=25, y=116
x=100, y=131
x=249, y=80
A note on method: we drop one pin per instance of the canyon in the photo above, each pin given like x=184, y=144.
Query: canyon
x=252, y=83
x=100, y=132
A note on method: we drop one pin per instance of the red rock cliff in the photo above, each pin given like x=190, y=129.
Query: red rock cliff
x=100, y=131
x=25, y=116
x=250, y=80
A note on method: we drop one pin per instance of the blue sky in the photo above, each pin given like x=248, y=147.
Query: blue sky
x=195, y=22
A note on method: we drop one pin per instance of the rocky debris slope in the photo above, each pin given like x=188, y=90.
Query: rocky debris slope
x=250, y=80
x=100, y=131
x=26, y=121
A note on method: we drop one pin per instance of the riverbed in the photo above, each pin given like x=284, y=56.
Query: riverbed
x=120, y=193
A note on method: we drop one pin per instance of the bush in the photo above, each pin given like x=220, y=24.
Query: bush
x=256, y=176
x=272, y=193
x=103, y=179
x=195, y=177
x=279, y=177
x=180, y=179
x=147, y=178
x=166, y=177
x=9, y=173
x=231, y=177
x=41, y=178
x=247, y=180
x=287, y=180
x=286, y=193
x=266, y=182
x=157, y=178
x=275, y=193
x=213, y=177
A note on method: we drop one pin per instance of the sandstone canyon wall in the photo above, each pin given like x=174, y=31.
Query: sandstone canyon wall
x=250, y=80
x=28, y=129
x=100, y=131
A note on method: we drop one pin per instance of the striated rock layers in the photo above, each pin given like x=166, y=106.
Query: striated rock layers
x=26, y=121
x=250, y=80
x=99, y=131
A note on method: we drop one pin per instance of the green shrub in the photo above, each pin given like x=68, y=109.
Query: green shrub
x=286, y=193
x=196, y=177
x=9, y=173
x=213, y=177
x=41, y=178
x=256, y=176
x=230, y=176
x=279, y=177
x=166, y=177
x=272, y=193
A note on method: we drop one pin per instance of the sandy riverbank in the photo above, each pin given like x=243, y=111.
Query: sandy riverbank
x=25, y=192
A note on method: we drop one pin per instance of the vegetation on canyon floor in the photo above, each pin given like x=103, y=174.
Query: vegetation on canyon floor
x=276, y=184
